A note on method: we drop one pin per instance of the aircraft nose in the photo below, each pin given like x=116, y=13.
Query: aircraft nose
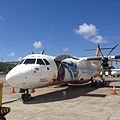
x=21, y=76
x=12, y=75
x=9, y=78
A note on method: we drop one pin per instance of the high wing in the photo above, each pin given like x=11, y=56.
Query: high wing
x=104, y=61
x=116, y=57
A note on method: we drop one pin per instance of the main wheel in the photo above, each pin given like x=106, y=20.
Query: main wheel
x=26, y=97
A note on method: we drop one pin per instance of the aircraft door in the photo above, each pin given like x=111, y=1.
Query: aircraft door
x=61, y=73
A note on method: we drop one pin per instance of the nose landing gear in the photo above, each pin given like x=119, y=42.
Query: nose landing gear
x=26, y=96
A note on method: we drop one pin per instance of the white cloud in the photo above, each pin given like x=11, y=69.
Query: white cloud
x=65, y=49
x=90, y=32
x=11, y=54
x=86, y=30
x=37, y=44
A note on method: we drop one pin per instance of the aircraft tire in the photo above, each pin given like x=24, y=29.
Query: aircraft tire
x=2, y=118
x=26, y=97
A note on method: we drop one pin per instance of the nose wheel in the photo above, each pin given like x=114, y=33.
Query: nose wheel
x=26, y=96
x=2, y=118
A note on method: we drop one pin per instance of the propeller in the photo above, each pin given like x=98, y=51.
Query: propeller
x=105, y=59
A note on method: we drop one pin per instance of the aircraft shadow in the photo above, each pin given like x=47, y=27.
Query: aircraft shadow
x=69, y=93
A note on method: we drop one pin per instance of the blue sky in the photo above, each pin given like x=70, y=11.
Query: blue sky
x=59, y=26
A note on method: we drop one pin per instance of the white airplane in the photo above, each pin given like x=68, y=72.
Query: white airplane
x=38, y=70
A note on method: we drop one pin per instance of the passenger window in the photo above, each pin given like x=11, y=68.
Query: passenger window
x=40, y=61
x=46, y=62
x=29, y=61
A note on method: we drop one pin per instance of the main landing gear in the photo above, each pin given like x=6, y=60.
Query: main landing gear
x=25, y=95
x=2, y=118
x=95, y=83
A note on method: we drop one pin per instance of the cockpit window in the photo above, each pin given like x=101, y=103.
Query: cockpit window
x=40, y=61
x=46, y=62
x=29, y=61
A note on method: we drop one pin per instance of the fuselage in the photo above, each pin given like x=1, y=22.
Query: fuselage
x=38, y=70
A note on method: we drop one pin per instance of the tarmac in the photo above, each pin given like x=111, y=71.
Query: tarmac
x=73, y=102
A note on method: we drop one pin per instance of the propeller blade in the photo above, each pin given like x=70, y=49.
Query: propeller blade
x=101, y=65
x=112, y=50
x=89, y=50
x=100, y=50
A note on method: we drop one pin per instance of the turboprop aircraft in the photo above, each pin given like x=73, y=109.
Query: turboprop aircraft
x=39, y=70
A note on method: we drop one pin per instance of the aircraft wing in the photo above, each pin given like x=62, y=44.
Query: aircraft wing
x=110, y=58
x=94, y=58
x=117, y=57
